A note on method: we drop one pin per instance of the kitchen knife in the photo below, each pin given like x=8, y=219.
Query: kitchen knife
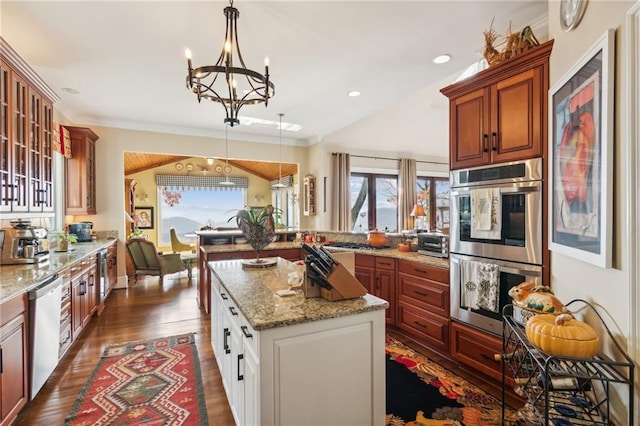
x=319, y=258
x=318, y=270
x=328, y=255
x=321, y=282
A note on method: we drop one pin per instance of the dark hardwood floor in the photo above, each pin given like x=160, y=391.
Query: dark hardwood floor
x=143, y=311
x=148, y=310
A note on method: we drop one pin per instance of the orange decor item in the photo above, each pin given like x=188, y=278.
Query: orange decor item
x=377, y=238
x=562, y=335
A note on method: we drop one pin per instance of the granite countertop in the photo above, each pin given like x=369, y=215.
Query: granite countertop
x=254, y=292
x=18, y=279
x=390, y=252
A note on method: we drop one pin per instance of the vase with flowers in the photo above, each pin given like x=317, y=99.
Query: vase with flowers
x=64, y=238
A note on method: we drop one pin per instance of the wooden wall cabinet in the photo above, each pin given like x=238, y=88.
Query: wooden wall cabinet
x=14, y=390
x=309, y=195
x=81, y=172
x=499, y=115
x=26, y=131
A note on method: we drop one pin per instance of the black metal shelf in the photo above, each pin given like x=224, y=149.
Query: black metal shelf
x=564, y=391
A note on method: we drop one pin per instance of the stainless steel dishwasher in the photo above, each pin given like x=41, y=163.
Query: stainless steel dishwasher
x=44, y=306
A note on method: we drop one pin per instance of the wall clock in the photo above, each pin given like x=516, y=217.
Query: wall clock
x=571, y=12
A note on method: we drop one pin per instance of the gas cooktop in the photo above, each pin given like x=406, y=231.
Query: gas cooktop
x=355, y=246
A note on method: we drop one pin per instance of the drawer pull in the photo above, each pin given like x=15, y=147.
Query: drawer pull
x=420, y=293
x=245, y=331
x=422, y=271
x=419, y=324
x=489, y=357
x=224, y=296
x=65, y=318
x=233, y=311
x=66, y=339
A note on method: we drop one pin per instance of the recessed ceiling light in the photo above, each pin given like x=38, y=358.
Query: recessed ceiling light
x=442, y=59
x=353, y=93
x=70, y=90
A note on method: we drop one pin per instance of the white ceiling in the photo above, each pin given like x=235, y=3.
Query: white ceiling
x=126, y=59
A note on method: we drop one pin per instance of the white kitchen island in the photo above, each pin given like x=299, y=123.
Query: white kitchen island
x=292, y=360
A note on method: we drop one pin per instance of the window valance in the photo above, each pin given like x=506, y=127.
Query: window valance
x=204, y=182
x=284, y=180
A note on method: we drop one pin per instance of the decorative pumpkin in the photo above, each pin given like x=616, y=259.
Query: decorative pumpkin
x=562, y=335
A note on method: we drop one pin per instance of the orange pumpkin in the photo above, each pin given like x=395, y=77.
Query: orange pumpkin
x=562, y=335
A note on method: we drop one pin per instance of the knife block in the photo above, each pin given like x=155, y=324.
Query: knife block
x=345, y=285
x=309, y=288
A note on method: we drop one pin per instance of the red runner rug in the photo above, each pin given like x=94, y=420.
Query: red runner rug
x=149, y=382
x=421, y=392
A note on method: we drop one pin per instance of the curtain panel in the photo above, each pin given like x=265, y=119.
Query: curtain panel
x=407, y=195
x=341, y=191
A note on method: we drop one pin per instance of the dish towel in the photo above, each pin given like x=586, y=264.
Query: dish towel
x=479, y=285
x=486, y=217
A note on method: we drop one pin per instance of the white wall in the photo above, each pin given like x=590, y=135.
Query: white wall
x=610, y=289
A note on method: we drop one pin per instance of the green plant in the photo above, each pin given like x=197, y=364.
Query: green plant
x=67, y=236
x=253, y=216
x=136, y=234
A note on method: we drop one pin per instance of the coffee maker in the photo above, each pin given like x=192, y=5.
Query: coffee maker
x=23, y=244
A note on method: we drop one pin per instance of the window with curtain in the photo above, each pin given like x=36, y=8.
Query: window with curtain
x=374, y=202
x=433, y=194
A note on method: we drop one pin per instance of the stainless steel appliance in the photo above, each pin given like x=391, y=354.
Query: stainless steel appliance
x=23, y=244
x=104, y=277
x=520, y=216
x=509, y=274
x=82, y=231
x=485, y=262
x=434, y=244
x=44, y=306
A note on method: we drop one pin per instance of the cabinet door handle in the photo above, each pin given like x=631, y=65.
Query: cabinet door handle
x=484, y=142
x=83, y=288
x=13, y=192
x=377, y=283
x=419, y=324
x=225, y=345
x=240, y=358
x=233, y=311
x=224, y=296
x=1, y=362
x=245, y=331
x=494, y=145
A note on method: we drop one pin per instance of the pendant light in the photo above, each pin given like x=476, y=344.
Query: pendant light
x=227, y=169
x=280, y=184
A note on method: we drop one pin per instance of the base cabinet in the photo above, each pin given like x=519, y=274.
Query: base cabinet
x=291, y=375
x=378, y=275
x=14, y=392
x=476, y=349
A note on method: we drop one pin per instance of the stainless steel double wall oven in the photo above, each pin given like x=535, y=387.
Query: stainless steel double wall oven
x=513, y=248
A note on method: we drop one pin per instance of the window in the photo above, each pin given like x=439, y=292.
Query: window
x=189, y=209
x=374, y=202
x=433, y=193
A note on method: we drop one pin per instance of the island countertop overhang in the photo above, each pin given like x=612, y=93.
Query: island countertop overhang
x=253, y=290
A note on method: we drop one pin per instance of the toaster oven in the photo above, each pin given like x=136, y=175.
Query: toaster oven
x=434, y=244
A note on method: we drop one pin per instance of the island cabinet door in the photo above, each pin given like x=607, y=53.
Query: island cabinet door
x=251, y=388
x=237, y=376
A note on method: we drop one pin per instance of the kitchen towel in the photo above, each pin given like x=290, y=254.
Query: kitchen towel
x=486, y=218
x=479, y=285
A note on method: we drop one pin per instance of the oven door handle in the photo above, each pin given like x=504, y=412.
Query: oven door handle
x=501, y=268
x=505, y=188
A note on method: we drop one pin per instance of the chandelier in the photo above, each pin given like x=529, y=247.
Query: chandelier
x=231, y=85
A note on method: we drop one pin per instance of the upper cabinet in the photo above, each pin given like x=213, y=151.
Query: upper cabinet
x=26, y=130
x=499, y=115
x=81, y=172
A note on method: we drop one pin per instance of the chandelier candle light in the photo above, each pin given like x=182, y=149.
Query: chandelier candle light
x=220, y=82
x=280, y=184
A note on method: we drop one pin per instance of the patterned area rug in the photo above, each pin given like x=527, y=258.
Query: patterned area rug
x=150, y=382
x=421, y=392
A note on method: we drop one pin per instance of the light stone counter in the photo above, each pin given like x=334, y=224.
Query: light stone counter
x=254, y=291
x=18, y=279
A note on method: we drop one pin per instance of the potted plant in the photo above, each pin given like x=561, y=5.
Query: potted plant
x=64, y=238
x=257, y=226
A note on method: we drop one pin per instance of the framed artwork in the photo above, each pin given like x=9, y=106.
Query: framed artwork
x=144, y=217
x=581, y=153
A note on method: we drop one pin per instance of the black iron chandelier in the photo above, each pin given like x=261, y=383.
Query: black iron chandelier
x=232, y=86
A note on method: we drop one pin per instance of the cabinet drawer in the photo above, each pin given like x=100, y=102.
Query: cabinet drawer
x=430, y=295
x=365, y=260
x=385, y=263
x=431, y=330
x=476, y=349
x=65, y=313
x=424, y=271
x=65, y=339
